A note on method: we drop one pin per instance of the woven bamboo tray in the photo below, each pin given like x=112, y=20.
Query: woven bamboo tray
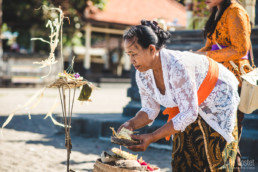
x=101, y=167
x=62, y=82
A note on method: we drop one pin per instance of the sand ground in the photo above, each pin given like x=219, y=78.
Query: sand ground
x=37, y=145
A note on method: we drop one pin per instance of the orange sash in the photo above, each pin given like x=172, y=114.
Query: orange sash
x=204, y=91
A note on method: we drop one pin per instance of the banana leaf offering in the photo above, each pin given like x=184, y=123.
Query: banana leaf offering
x=85, y=93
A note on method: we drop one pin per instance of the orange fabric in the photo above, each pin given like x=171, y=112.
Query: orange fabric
x=233, y=30
x=204, y=91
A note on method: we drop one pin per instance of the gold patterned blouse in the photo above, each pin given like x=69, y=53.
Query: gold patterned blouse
x=232, y=31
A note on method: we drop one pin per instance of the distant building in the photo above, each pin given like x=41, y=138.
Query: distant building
x=103, y=30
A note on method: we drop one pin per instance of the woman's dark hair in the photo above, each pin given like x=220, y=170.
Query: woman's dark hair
x=148, y=33
x=212, y=22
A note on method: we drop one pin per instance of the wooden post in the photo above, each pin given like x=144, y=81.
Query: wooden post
x=189, y=13
x=107, y=58
x=87, y=58
x=1, y=46
x=249, y=6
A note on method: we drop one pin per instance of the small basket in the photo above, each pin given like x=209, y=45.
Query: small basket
x=101, y=167
x=63, y=82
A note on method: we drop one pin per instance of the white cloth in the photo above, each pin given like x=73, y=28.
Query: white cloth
x=183, y=73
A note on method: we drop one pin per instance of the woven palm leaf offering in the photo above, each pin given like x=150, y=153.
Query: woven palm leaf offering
x=122, y=161
x=67, y=82
x=123, y=137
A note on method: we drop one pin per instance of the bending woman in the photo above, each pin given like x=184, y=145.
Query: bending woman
x=203, y=92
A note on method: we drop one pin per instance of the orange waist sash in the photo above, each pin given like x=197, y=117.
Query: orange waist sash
x=204, y=91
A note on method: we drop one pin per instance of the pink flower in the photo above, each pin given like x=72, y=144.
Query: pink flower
x=76, y=75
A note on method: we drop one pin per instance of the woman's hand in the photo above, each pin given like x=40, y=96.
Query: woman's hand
x=140, y=120
x=128, y=125
x=145, y=141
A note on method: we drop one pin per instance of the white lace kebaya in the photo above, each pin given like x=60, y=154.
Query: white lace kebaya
x=183, y=74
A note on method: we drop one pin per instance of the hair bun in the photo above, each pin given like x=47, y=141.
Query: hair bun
x=155, y=27
x=148, y=33
x=162, y=35
x=152, y=24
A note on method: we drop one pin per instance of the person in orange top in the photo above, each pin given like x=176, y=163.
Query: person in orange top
x=228, y=26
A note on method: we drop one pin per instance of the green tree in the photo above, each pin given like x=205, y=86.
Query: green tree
x=22, y=16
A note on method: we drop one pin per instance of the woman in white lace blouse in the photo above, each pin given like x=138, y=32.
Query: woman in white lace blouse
x=204, y=136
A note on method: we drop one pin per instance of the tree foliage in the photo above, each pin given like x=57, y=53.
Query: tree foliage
x=27, y=17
